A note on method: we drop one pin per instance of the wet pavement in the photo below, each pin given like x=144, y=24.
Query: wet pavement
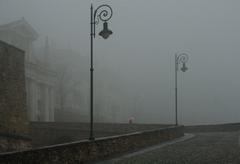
x=203, y=148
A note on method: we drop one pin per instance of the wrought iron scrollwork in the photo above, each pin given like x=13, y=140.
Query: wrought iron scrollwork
x=182, y=57
x=103, y=13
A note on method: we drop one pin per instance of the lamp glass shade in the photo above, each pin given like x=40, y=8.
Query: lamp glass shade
x=105, y=33
x=184, y=68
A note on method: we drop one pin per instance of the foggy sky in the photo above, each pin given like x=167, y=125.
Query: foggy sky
x=146, y=35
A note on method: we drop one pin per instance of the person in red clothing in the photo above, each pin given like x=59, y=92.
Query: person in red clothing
x=130, y=120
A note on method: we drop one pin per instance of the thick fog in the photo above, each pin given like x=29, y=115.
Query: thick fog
x=140, y=53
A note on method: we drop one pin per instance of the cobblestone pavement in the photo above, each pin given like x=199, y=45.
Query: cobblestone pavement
x=204, y=148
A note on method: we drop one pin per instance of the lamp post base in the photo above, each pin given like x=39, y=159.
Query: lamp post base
x=91, y=138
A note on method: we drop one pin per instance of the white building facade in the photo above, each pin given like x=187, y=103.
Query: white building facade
x=40, y=79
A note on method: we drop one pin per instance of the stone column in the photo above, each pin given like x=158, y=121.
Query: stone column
x=27, y=83
x=32, y=100
x=46, y=103
x=52, y=102
x=35, y=100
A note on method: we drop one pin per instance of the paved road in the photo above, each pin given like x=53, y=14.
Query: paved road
x=204, y=148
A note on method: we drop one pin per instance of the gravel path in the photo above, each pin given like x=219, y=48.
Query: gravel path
x=204, y=148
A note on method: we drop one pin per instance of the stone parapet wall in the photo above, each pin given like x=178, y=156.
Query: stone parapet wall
x=86, y=151
x=50, y=133
x=212, y=128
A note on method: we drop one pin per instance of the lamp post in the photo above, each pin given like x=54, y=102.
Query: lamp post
x=101, y=13
x=180, y=58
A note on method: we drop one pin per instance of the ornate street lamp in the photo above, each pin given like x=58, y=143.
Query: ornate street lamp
x=180, y=58
x=101, y=13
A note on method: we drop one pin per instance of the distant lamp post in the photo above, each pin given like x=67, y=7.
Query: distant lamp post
x=180, y=58
x=101, y=13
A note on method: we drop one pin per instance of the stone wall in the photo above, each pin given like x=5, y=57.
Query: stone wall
x=212, y=128
x=86, y=151
x=13, y=112
x=50, y=133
